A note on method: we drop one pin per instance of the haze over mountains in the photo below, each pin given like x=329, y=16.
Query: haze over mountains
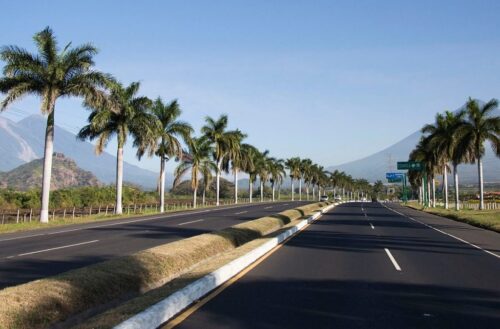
x=23, y=141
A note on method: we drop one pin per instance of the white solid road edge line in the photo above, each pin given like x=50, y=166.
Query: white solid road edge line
x=393, y=260
x=445, y=233
x=56, y=248
x=163, y=311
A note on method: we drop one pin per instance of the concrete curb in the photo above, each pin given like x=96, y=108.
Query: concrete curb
x=166, y=309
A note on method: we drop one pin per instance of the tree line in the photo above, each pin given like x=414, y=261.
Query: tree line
x=154, y=126
x=455, y=138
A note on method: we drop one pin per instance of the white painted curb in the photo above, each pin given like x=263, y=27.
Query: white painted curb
x=163, y=311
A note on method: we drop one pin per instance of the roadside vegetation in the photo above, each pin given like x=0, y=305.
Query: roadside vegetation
x=453, y=139
x=488, y=219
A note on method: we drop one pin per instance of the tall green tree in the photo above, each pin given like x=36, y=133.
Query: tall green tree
x=224, y=142
x=293, y=166
x=240, y=158
x=481, y=125
x=50, y=74
x=123, y=114
x=442, y=141
x=277, y=173
x=172, y=131
x=305, y=169
x=199, y=163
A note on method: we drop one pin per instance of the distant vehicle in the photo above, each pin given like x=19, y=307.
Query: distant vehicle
x=363, y=199
x=338, y=198
x=324, y=198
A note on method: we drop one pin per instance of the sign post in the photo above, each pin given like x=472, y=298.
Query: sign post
x=414, y=166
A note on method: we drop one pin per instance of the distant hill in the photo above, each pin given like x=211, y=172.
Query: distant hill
x=375, y=166
x=23, y=141
x=65, y=173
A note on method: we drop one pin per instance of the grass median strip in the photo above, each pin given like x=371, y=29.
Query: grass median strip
x=487, y=219
x=42, y=303
x=116, y=315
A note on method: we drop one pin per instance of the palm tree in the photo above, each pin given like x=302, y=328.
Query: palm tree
x=224, y=142
x=50, y=74
x=277, y=173
x=241, y=159
x=305, y=168
x=233, y=160
x=442, y=141
x=262, y=168
x=251, y=155
x=293, y=166
x=481, y=125
x=122, y=114
x=206, y=173
x=199, y=162
x=169, y=144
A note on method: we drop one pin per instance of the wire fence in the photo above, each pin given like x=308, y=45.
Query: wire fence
x=9, y=216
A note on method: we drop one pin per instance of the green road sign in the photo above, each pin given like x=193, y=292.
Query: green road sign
x=395, y=180
x=411, y=165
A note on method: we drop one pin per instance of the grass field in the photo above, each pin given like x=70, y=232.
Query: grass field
x=488, y=219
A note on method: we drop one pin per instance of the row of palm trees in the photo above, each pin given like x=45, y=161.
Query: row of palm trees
x=120, y=112
x=453, y=139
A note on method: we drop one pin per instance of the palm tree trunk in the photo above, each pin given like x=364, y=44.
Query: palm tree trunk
x=162, y=184
x=314, y=192
x=250, y=187
x=420, y=194
x=217, y=177
x=273, y=191
x=279, y=192
x=236, y=186
x=119, y=179
x=203, y=197
x=481, y=187
x=307, y=191
x=445, y=183
x=433, y=192
x=300, y=189
x=194, y=196
x=261, y=191
x=292, y=191
x=47, y=167
x=455, y=178
x=429, y=200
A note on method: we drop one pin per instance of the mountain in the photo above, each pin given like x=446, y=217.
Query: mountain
x=65, y=173
x=23, y=141
x=375, y=166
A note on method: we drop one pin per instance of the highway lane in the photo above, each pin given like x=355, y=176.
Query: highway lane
x=365, y=266
x=31, y=255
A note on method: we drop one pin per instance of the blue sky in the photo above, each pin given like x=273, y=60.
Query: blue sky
x=330, y=80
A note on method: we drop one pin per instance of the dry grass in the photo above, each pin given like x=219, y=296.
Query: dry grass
x=44, y=302
x=487, y=219
x=118, y=314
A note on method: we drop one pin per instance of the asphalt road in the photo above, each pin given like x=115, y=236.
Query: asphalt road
x=35, y=254
x=365, y=266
